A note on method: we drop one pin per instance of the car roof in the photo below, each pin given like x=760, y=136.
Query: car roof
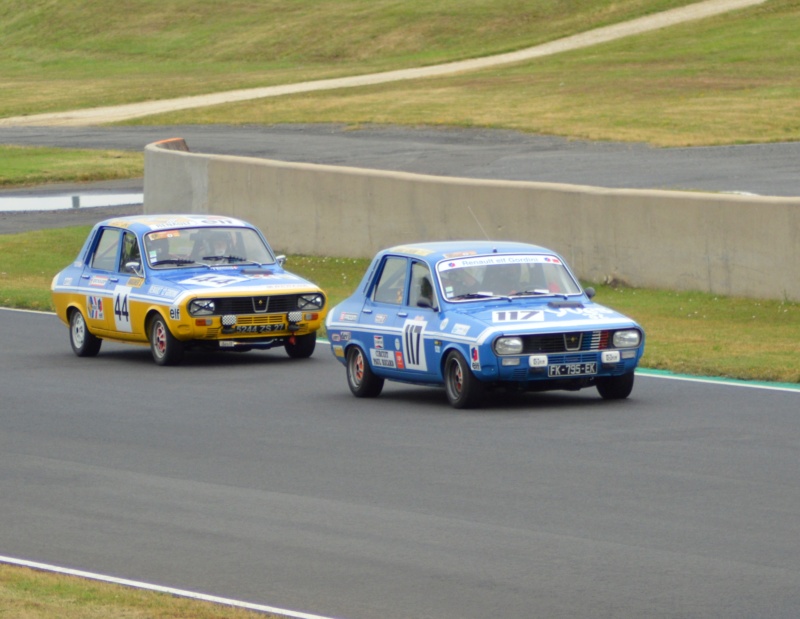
x=433, y=252
x=142, y=224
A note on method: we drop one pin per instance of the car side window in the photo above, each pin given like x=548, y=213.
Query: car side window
x=130, y=253
x=105, y=254
x=392, y=282
x=421, y=290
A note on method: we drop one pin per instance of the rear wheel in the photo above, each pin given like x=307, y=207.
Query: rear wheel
x=360, y=377
x=303, y=346
x=463, y=389
x=83, y=343
x=615, y=387
x=166, y=349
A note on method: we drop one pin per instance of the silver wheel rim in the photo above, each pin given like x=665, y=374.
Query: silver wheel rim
x=78, y=330
x=456, y=383
x=357, y=368
x=160, y=339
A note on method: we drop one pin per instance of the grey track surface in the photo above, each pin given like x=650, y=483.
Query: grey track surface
x=260, y=478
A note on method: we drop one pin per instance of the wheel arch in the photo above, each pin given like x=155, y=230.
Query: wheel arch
x=70, y=309
x=150, y=315
x=463, y=349
x=356, y=342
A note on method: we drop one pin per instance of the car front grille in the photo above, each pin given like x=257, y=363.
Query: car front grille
x=272, y=304
x=573, y=341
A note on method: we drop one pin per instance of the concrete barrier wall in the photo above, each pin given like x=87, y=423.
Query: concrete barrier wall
x=723, y=244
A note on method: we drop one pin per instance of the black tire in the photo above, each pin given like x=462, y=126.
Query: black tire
x=360, y=377
x=303, y=346
x=462, y=388
x=615, y=387
x=166, y=349
x=83, y=343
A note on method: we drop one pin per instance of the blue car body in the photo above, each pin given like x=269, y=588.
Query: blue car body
x=471, y=315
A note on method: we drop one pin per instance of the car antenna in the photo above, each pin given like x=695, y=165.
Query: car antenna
x=478, y=222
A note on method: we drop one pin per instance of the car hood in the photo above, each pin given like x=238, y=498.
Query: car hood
x=519, y=316
x=229, y=281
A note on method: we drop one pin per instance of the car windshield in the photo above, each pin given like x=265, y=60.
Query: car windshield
x=505, y=275
x=207, y=245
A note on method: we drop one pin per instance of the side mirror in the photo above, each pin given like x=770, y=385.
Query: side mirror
x=281, y=260
x=425, y=302
x=589, y=292
x=134, y=267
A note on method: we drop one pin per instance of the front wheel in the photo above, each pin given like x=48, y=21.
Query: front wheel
x=463, y=389
x=360, y=377
x=303, y=346
x=615, y=387
x=83, y=343
x=166, y=349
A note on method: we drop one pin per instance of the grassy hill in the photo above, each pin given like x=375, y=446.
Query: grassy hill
x=733, y=78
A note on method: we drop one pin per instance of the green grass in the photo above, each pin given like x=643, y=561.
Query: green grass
x=687, y=332
x=727, y=80
x=730, y=79
x=31, y=594
x=20, y=165
x=102, y=53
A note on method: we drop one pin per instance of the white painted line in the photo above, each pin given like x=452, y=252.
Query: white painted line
x=158, y=588
x=27, y=311
x=725, y=382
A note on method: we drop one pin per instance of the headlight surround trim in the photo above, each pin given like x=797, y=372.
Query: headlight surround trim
x=508, y=345
x=313, y=301
x=202, y=307
x=627, y=338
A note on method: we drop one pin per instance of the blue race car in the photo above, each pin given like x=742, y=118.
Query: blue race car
x=472, y=315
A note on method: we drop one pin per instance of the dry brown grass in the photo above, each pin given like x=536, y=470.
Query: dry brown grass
x=33, y=594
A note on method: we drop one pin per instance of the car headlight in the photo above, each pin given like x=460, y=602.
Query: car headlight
x=508, y=346
x=310, y=301
x=629, y=338
x=202, y=307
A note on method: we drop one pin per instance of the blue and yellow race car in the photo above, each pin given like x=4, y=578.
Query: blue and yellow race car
x=472, y=315
x=185, y=281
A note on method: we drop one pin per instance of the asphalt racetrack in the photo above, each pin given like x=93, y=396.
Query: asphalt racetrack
x=763, y=169
x=260, y=478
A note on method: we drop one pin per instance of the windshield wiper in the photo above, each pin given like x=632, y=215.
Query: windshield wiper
x=534, y=292
x=232, y=259
x=239, y=260
x=474, y=295
x=174, y=261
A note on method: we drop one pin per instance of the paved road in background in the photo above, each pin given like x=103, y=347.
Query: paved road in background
x=261, y=478
x=763, y=169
